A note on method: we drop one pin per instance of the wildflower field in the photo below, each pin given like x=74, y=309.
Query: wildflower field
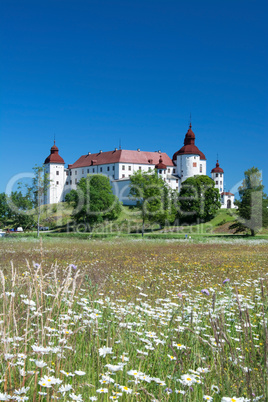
x=133, y=320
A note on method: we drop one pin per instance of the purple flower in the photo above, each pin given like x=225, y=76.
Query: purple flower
x=73, y=266
x=36, y=265
x=168, y=390
x=205, y=291
x=226, y=280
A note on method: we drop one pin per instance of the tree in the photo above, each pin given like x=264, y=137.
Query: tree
x=199, y=200
x=20, y=209
x=153, y=198
x=252, y=206
x=4, y=209
x=38, y=190
x=94, y=200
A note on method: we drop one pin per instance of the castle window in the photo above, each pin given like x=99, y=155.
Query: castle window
x=174, y=170
x=75, y=181
x=123, y=175
x=57, y=173
x=70, y=173
x=70, y=181
x=101, y=169
x=139, y=167
x=168, y=170
x=217, y=174
x=108, y=168
x=113, y=167
x=67, y=173
x=194, y=164
x=123, y=167
x=57, y=182
x=67, y=183
x=160, y=171
x=93, y=170
x=200, y=168
x=82, y=171
x=177, y=180
x=217, y=182
x=129, y=168
x=75, y=172
x=220, y=182
x=221, y=175
x=87, y=170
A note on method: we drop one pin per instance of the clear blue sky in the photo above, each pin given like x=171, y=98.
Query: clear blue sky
x=95, y=72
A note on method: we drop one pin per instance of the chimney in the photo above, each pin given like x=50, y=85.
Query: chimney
x=138, y=150
x=100, y=152
x=159, y=152
x=115, y=149
x=89, y=153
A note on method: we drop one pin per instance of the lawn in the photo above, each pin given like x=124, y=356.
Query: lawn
x=133, y=320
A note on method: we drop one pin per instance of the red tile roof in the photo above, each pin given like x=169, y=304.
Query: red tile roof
x=189, y=147
x=121, y=156
x=226, y=193
x=54, y=156
x=161, y=165
x=217, y=169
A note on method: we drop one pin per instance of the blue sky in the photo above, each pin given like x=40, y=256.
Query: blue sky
x=94, y=72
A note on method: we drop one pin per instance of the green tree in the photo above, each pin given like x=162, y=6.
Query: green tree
x=94, y=201
x=199, y=200
x=38, y=190
x=153, y=198
x=4, y=209
x=25, y=205
x=252, y=206
x=20, y=209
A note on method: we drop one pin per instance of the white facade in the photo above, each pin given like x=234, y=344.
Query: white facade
x=227, y=200
x=189, y=166
x=57, y=178
x=219, y=181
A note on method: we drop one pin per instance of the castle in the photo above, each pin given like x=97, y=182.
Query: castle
x=118, y=165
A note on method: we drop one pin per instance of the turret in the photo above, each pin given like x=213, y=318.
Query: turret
x=217, y=174
x=54, y=167
x=161, y=167
x=190, y=161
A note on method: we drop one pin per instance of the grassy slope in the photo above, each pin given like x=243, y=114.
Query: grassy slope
x=58, y=218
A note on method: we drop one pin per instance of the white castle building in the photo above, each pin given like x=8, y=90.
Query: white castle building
x=118, y=165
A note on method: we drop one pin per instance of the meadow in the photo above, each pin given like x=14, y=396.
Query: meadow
x=133, y=320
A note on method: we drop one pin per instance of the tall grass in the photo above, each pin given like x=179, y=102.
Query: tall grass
x=157, y=324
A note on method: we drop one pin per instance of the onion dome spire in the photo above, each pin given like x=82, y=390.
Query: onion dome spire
x=217, y=169
x=189, y=147
x=160, y=165
x=54, y=156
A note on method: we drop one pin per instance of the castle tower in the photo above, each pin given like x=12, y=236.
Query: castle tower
x=217, y=174
x=189, y=160
x=161, y=168
x=54, y=167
